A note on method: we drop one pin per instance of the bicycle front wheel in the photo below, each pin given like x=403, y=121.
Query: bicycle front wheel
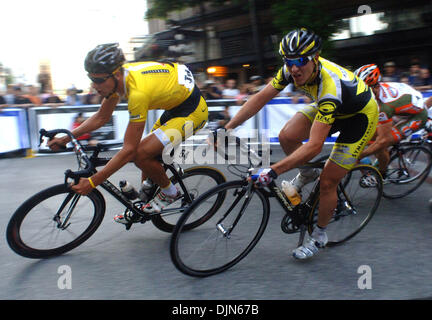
x=359, y=195
x=54, y=221
x=407, y=170
x=196, y=180
x=226, y=238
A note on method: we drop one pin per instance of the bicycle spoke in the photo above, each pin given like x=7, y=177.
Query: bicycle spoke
x=407, y=170
x=226, y=237
x=41, y=231
x=358, y=198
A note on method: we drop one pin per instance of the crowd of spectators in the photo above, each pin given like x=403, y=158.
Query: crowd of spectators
x=218, y=88
x=417, y=75
x=30, y=96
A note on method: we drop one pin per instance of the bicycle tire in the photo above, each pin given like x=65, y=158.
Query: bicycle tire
x=39, y=210
x=202, y=175
x=358, y=200
x=407, y=171
x=189, y=251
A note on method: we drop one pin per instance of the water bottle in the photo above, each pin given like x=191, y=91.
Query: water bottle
x=144, y=193
x=128, y=190
x=366, y=160
x=291, y=192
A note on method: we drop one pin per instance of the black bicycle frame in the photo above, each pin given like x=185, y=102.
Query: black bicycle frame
x=116, y=192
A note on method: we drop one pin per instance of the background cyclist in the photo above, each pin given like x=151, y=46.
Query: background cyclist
x=402, y=112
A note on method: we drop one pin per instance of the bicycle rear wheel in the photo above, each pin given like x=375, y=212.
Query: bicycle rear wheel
x=197, y=180
x=359, y=195
x=54, y=221
x=407, y=170
x=225, y=239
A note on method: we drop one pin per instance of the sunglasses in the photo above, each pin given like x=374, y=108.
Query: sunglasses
x=99, y=80
x=300, y=62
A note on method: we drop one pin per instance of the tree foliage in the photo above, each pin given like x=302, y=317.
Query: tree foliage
x=292, y=14
x=161, y=8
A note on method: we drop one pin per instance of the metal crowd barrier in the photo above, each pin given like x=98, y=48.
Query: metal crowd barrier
x=19, y=127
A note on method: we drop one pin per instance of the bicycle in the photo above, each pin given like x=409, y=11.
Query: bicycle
x=57, y=220
x=232, y=232
x=409, y=166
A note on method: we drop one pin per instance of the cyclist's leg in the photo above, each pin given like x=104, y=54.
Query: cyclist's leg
x=165, y=136
x=355, y=133
x=383, y=156
x=291, y=137
x=297, y=129
x=412, y=124
x=146, y=159
x=330, y=177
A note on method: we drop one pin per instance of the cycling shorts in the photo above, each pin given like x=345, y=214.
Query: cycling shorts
x=174, y=126
x=404, y=128
x=355, y=131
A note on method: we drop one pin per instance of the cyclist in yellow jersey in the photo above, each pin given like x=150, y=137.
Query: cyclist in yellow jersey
x=145, y=85
x=342, y=102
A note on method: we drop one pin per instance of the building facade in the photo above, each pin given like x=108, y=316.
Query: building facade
x=243, y=38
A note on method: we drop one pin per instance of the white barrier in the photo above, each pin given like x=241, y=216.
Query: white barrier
x=19, y=128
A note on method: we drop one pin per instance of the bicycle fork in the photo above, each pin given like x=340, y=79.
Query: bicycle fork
x=226, y=232
x=71, y=196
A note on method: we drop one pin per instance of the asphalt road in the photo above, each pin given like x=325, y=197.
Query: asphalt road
x=394, y=249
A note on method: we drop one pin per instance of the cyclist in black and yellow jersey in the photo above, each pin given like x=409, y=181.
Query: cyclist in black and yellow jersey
x=145, y=85
x=342, y=102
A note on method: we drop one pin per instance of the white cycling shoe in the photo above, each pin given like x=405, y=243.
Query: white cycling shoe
x=303, y=178
x=159, y=202
x=310, y=248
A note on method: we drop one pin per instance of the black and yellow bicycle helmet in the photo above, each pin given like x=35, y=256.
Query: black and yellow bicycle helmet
x=300, y=43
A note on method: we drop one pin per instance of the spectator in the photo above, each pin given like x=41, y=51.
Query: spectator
x=32, y=93
x=425, y=80
x=78, y=120
x=9, y=97
x=19, y=97
x=210, y=90
x=92, y=97
x=2, y=100
x=50, y=97
x=72, y=98
x=230, y=91
x=390, y=74
x=414, y=75
x=404, y=79
x=245, y=92
x=257, y=84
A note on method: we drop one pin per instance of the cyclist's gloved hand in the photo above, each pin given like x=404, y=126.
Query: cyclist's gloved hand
x=264, y=177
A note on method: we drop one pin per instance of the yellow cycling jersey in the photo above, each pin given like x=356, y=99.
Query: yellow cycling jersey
x=337, y=92
x=155, y=85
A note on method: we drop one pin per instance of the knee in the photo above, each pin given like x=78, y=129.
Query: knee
x=328, y=184
x=142, y=154
x=288, y=138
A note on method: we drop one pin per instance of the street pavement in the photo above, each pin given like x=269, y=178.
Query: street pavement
x=393, y=251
